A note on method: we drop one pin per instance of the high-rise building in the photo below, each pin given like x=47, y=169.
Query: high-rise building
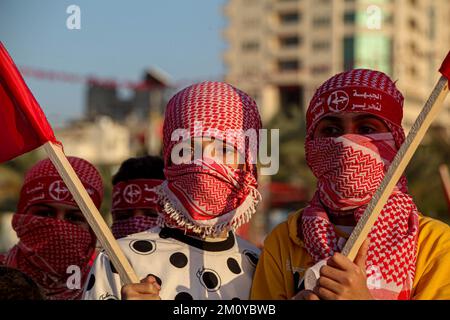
x=280, y=51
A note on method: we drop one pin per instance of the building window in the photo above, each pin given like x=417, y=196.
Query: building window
x=250, y=46
x=321, y=21
x=250, y=23
x=315, y=70
x=289, y=18
x=349, y=53
x=289, y=41
x=349, y=17
x=412, y=23
x=432, y=25
x=413, y=71
x=321, y=45
x=288, y=65
x=250, y=70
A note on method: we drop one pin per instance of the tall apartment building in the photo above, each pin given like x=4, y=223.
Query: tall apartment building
x=280, y=51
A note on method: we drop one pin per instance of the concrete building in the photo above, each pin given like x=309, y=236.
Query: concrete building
x=150, y=95
x=280, y=51
x=142, y=112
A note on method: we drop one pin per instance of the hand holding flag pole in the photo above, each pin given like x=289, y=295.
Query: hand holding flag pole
x=445, y=179
x=24, y=127
x=429, y=112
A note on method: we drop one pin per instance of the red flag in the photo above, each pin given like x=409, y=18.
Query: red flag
x=23, y=125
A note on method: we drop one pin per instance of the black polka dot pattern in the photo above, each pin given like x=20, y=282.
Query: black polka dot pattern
x=158, y=279
x=143, y=247
x=178, y=260
x=113, y=269
x=252, y=257
x=91, y=282
x=234, y=266
x=183, y=296
x=210, y=279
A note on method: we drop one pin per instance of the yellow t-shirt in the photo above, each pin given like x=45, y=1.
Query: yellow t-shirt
x=284, y=261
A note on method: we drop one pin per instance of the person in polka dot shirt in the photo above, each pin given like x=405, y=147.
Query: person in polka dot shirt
x=193, y=252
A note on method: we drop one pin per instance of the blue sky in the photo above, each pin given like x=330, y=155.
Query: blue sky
x=117, y=39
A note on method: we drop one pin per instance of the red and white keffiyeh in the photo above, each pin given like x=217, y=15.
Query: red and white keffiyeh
x=48, y=246
x=130, y=195
x=43, y=184
x=204, y=196
x=349, y=169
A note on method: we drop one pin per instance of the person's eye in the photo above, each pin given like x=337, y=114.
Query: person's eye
x=228, y=150
x=150, y=213
x=186, y=151
x=330, y=131
x=43, y=213
x=122, y=215
x=75, y=217
x=366, y=129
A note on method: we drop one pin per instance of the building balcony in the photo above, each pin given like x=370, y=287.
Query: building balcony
x=286, y=28
x=291, y=77
x=285, y=5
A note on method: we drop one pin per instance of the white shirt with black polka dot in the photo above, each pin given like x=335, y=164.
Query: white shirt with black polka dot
x=186, y=268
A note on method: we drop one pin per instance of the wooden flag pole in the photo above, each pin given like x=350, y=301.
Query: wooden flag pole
x=398, y=165
x=91, y=213
x=445, y=179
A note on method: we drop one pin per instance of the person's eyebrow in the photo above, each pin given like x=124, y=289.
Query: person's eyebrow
x=75, y=211
x=367, y=117
x=331, y=119
x=43, y=205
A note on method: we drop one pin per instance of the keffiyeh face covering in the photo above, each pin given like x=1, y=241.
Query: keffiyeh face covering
x=48, y=246
x=204, y=196
x=349, y=169
x=131, y=195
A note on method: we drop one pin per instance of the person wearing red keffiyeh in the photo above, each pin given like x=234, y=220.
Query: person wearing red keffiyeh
x=54, y=238
x=134, y=202
x=194, y=253
x=353, y=133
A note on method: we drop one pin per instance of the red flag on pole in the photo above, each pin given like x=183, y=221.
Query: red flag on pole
x=23, y=125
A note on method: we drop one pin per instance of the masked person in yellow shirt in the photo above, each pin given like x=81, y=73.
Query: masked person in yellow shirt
x=353, y=133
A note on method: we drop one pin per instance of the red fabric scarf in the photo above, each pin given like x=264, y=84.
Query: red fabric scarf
x=206, y=197
x=135, y=194
x=47, y=246
x=349, y=169
x=123, y=228
x=46, y=249
x=43, y=184
x=130, y=195
x=215, y=196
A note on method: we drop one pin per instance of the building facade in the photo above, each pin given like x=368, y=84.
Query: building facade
x=280, y=51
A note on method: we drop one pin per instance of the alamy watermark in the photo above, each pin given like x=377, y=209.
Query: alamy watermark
x=73, y=21
x=74, y=280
